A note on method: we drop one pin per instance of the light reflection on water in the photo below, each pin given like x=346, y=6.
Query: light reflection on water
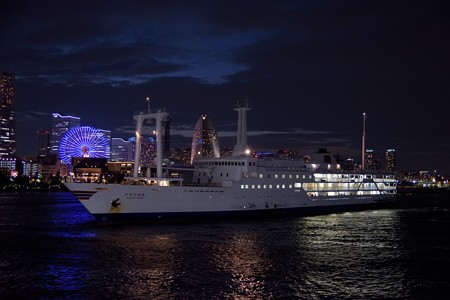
x=242, y=255
x=337, y=245
x=149, y=262
x=53, y=250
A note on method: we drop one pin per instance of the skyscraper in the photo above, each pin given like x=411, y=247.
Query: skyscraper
x=107, y=134
x=369, y=159
x=7, y=120
x=205, y=142
x=390, y=159
x=60, y=126
x=43, y=143
x=148, y=151
x=121, y=150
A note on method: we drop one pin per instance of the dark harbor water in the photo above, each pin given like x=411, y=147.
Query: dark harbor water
x=51, y=249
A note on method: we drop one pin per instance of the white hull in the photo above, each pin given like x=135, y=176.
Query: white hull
x=118, y=202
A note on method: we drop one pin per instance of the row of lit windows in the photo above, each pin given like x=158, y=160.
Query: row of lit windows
x=328, y=177
x=283, y=176
x=296, y=185
x=220, y=163
x=202, y=191
x=359, y=193
x=353, y=176
x=346, y=186
x=311, y=187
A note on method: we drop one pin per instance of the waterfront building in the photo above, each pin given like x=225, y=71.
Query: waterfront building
x=205, y=142
x=90, y=169
x=50, y=168
x=31, y=167
x=390, y=159
x=7, y=164
x=60, y=126
x=369, y=159
x=7, y=115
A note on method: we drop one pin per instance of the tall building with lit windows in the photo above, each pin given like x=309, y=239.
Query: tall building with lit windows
x=43, y=143
x=205, y=142
x=369, y=159
x=390, y=159
x=148, y=150
x=121, y=150
x=7, y=119
x=60, y=126
x=107, y=134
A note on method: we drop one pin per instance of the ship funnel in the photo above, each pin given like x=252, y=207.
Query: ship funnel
x=241, y=143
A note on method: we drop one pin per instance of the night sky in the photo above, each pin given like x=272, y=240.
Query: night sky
x=309, y=69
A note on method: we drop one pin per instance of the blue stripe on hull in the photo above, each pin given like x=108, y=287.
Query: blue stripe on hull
x=243, y=214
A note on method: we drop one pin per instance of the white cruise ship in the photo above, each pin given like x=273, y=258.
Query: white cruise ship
x=237, y=186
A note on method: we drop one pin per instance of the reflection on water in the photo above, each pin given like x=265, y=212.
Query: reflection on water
x=242, y=255
x=140, y=263
x=335, y=246
x=51, y=249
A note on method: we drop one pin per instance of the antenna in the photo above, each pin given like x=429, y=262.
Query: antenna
x=363, y=142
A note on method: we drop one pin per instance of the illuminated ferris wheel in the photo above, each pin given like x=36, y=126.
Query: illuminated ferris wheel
x=83, y=141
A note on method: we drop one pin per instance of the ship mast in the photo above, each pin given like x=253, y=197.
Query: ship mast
x=158, y=115
x=241, y=143
x=363, y=142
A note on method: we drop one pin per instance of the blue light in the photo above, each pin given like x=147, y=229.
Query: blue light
x=83, y=141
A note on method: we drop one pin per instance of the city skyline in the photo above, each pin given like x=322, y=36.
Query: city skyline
x=62, y=143
x=308, y=69
x=203, y=127
x=65, y=122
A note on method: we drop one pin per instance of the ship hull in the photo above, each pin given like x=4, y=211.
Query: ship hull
x=115, y=203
